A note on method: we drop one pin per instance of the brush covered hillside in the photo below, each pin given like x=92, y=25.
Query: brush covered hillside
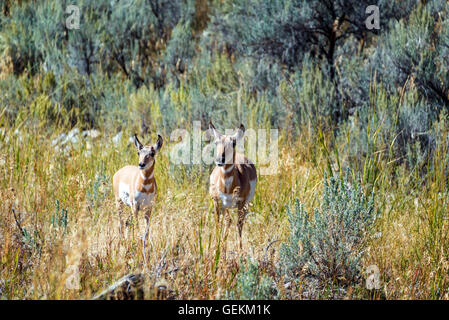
x=357, y=208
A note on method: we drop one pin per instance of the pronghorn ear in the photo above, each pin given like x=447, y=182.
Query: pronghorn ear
x=214, y=131
x=159, y=142
x=239, y=134
x=139, y=146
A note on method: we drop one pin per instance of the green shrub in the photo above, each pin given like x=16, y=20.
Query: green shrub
x=251, y=284
x=309, y=96
x=15, y=38
x=328, y=245
x=415, y=52
x=181, y=46
x=118, y=36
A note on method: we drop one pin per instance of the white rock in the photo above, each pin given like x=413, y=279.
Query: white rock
x=71, y=137
x=91, y=133
x=117, y=138
x=74, y=139
x=58, y=139
x=74, y=132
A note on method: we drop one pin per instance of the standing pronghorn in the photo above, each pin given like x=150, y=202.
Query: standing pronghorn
x=233, y=180
x=136, y=186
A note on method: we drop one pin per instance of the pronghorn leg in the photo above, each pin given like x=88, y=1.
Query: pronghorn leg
x=119, y=206
x=147, y=229
x=136, y=215
x=135, y=211
x=242, y=215
x=228, y=219
x=217, y=209
x=220, y=212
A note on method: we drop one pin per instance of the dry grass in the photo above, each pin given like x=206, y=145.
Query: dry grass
x=197, y=259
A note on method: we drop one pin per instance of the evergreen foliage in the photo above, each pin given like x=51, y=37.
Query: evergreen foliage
x=327, y=244
x=252, y=285
x=415, y=53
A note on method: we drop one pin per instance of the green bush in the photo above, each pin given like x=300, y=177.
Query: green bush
x=309, y=96
x=181, y=46
x=15, y=38
x=328, y=245
x=251, y=284
x=415, y=53
x=118, y=36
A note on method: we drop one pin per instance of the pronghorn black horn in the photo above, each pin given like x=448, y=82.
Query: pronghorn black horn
x=159, y=141
x=137, y=142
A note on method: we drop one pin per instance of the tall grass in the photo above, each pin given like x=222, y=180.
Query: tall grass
x=197, y=259
x=65, y=224
x=188, y=250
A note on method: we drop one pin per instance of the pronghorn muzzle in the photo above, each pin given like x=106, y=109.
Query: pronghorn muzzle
x=220, y=160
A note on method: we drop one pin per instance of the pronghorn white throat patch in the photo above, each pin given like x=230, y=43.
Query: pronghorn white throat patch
x=228, y=170
x=227, y=182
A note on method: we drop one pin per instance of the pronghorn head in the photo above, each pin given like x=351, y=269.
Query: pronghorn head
x=148, y=152
x=225, y=145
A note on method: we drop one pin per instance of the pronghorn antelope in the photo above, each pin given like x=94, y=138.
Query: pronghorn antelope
x=233, y=180
x=135, y=186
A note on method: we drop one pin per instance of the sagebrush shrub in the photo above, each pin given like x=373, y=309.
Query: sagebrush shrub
x=328, y=244
x=252, y=285
x=415, y=52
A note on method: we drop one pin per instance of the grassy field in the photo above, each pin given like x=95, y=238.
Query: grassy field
x=358, y=208
x=189, y=253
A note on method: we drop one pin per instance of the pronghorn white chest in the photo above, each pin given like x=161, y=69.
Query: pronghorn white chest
x=143, y=199
x=228, y=200
x=124, y=193
x=227, y=182
x=136, y=194
x=227, y=197
x=224, y=187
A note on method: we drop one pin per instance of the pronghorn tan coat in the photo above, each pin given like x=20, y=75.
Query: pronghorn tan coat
x=232, y=185
x=135, y=186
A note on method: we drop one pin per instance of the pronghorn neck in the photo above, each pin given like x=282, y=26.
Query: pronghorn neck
x=145, y=179
x=227, y=176
x=228, y=169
